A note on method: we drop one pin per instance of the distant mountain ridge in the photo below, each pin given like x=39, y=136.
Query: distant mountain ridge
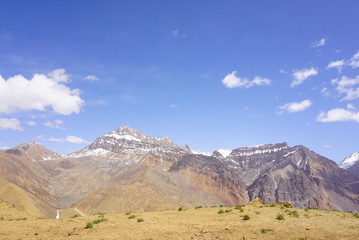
x=125, y=170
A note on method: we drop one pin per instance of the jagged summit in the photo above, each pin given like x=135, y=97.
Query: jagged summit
x=34, y=151
x=129, y=141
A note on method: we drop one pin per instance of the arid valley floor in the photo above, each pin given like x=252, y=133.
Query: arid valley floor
x=201, y=223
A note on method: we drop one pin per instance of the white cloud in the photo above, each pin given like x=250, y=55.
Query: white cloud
x=347, y=87
x=337, y=64
x=282, y=71
x=301, y=75
x=233, y=81
x=295, y=106
x=327, y=146
x=338, y=115
x=4, y=147
x=70, y=139
x=39, y=93
x=351, y=106
x=54, y=124
x=174, y=106
x=52, y=139
x=176, y=33
x=10, y=123
x=318, y=43
x=354, y=61
x=31, y=123
x=91, y=78
x=325, y=92
x=74, y=139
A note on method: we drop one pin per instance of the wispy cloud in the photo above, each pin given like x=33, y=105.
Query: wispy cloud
x=233, y=81
x=91, y=78
x=11, y=124
x=295, y=106
x=318, y=43
x=31, y=123
x=178, y=34
x=354, y=61
x=70, y=139
x=303, y=74
x=337, y=64
x=39, y=93
x=349, y=87
x=54, y=124
x=174, y=105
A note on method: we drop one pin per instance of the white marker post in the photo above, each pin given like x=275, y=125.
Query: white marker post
x=57, y=214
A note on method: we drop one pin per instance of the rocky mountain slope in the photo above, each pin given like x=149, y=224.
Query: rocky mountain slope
x=125, y=170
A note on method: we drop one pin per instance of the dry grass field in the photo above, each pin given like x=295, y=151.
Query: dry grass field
x=265, y=222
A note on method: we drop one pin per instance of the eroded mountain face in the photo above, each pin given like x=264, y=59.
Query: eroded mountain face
x=125, y=170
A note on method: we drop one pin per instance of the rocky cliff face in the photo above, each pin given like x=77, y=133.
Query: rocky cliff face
x=125, y=170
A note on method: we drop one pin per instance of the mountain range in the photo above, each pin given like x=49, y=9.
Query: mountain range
x=125, y=170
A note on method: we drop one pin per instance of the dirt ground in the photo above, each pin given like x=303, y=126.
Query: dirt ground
x=201, y=223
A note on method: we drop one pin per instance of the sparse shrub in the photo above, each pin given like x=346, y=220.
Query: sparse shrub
x=238, y=207
x=21, y=219
x=280, y=217
x=257, y=212
x=356, y=215
x=228, y=210
x=89, y=225
x=101, y=215
x=2, y=218
x=302, y=238
x=246, y=217
x=293, y=213
x=132, y=216
x=97, y=221
x=221, y=205
x=72, y=233
x=220, y=211
x=265, y=230
x=128, y=213
x=75, y=216
x=197, y=207
x=306, y=215
x=180, y=209
x=213, y=206
x=272, y=205
x=140, y=220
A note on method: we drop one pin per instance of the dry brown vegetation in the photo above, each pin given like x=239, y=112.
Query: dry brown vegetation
x=200, y=223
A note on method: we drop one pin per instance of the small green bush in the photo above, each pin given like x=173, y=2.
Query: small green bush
x=356, y=215
x=265, y=230
x=228, y=210
x=246, y=217
x=197, y=207
x=280, y=217
x=180, y=209
x=140, y=220
x=101, y=215
x=89, y=225
x=132, y=216
x=97, y=221
x=128, y=213
x=220, y=211
x=293, y=213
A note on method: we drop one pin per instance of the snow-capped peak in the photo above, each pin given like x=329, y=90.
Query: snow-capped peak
x=193, y=151
x=349, y=161
x=224, y=152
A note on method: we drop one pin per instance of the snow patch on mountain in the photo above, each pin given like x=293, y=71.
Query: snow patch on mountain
x=193, y=151
x=225, y=152
x=349, y=161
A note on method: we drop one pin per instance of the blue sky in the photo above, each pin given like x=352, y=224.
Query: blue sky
x=210, y=74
